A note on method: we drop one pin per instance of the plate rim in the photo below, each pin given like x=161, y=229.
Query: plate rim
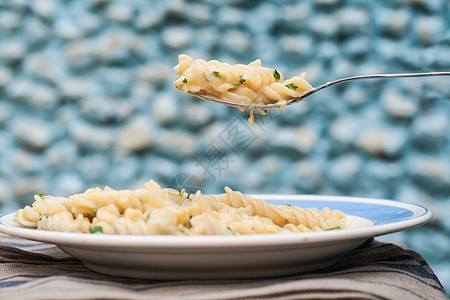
x=421, y=215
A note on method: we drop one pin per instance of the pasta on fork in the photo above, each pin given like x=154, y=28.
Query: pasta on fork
x=247, y=84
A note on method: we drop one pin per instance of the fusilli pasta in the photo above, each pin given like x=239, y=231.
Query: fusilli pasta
x=248, y=84
x=156, y=210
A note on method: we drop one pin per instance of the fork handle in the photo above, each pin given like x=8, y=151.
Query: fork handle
x=374, y=76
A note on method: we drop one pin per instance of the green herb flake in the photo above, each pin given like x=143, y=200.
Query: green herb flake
x=41, y=216
x=241, y=79
x=96, y=229
x=180, y=192
x=334, y=228
x=291, y=86
x=184, y=80
x=287, y=204
x=232, y=231
x=236, y=84
x=276, y=75
x=216, y=73
x=42, y=196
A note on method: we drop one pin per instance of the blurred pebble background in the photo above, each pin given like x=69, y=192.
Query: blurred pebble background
x=86, y=99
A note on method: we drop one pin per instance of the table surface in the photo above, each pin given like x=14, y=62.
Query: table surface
x=376, y=270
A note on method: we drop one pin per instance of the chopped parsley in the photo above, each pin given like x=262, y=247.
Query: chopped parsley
x=233, y=232
x=291, y=86
x=96, y=229
x=180, y=192
x=241, y=79
x=216, y=73
x=184, y=80
x=334, y=228
x=42, y=196
x=276, y=75
x=287, y=204
x=41, y=216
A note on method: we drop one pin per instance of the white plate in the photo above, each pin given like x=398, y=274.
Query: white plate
x=242, y=256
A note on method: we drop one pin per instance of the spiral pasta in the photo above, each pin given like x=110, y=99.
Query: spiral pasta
x=156, y=210
x=248, y=84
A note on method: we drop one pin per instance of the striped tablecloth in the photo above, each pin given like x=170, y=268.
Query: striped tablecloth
x=31, y=270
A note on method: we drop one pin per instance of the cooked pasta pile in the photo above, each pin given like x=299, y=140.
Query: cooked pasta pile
x=154, y=210
x=248, y=84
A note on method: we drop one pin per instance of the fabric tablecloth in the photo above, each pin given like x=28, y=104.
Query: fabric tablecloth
x=31, y=270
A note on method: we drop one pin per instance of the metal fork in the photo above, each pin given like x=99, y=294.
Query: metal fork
x=315, y=90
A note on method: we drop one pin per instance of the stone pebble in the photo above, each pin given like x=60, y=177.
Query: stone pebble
x=308, y=176
x=176, y=144
x=176, y=37
x=27, y=162
x=136, y=135
x=148, y=19
x=429, y=29
x=344, y=131
x=13, y=50
x=353, y=20
x=92, y=168
x=430, y=172
x=35, y=32
x=62, y=155
x=197, y=116
x=67, y=29
x=236, y=42
x=34, y=134
x=229, y=16
x=398, y=105
x=430, y=131
x=68, y=183
x=344, y=171
x=155, y=72
x=393, y=22
x=299, y=46
x=120, y=12
x=165, y=109
x=9, y=21
x=89, y=137
x=27, y=186
x=383, y=141
x=106, y=110
x=117, y=47
x=299, y=141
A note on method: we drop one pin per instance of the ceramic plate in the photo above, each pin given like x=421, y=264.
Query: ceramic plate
x=242, y=256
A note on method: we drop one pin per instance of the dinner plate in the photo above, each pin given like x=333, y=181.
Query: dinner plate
x=237, y=256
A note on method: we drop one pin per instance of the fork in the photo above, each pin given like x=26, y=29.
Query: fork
x=314, y=90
